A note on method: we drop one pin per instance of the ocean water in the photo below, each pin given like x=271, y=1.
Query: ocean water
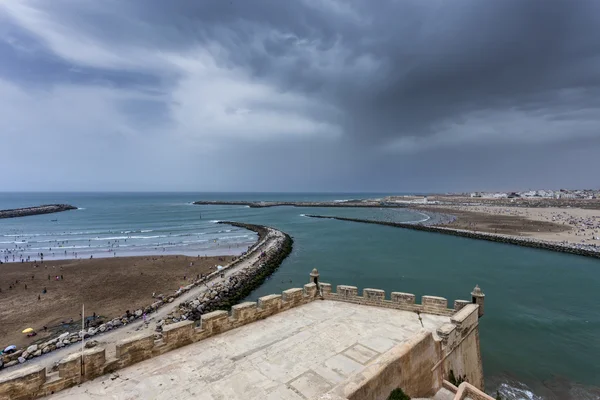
x=540, y=337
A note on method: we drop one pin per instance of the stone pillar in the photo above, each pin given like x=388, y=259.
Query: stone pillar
x=479, y=299
x=459, y=304
x=314, y=277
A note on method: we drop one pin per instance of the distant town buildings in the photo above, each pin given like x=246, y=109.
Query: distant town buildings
x=547, y=194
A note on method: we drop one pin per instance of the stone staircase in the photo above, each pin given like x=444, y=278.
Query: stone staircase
x=442, y=394
x=465, y=391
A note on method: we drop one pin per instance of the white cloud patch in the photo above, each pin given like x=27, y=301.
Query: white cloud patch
x=210, y=101
x=71, y=42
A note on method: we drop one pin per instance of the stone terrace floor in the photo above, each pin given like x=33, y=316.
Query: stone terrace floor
x=298, y=354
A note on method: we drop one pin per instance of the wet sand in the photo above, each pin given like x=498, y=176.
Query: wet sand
x=107, y=286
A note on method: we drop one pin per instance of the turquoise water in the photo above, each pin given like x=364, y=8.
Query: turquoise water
x=542, y=322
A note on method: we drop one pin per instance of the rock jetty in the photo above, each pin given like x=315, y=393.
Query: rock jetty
x=223, y=295
x=576, y=249
x=43, y=209
x=220, y=295
x=338, y=203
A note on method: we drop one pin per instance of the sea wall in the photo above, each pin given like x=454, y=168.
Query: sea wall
x=43, y=209
x=329, y=204
x=221, y=296
x=239, y=285
x=418, y=366
x=457, y=341
x=31, y=382
x=460, y=344
x=406, y=366
x=476, y=235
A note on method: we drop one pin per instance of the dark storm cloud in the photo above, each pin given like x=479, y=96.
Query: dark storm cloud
x=432, y=61
x=365, y=84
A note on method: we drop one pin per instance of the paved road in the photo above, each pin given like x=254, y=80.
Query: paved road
x=109, y=339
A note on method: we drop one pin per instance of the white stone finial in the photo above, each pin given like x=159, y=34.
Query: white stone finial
x=477, y=291
x=314, y=276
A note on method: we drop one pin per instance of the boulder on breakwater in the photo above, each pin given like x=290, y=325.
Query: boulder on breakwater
x=221, y=296
x=224, y=295
x=43, y=209
x=526, y=242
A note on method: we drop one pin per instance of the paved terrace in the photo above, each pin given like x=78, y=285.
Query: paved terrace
x=295, y=355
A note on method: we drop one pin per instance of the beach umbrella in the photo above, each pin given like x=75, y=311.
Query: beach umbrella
x=10, y=348
x=28, y=330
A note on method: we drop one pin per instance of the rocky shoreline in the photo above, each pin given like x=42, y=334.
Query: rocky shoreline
x=220, y=296
x=43, y=209
x=520, y=241
x=223, y=295
x=265, y=204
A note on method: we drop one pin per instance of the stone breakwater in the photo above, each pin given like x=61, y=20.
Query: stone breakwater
x=220, y=296
x=223, y=295
x=520, y=241
x=264, y=204
x=43, y=209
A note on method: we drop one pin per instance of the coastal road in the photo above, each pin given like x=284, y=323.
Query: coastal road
x=109, y=339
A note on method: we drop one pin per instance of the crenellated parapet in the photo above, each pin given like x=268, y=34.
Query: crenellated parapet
x=398, y=300
x=32, y=382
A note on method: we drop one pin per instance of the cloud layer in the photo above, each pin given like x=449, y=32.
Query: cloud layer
x=295, y=96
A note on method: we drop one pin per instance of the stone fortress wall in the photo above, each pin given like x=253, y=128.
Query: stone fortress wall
x=418, y=366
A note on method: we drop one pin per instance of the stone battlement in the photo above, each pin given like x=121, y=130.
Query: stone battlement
x=398, y=300
x=34, y=381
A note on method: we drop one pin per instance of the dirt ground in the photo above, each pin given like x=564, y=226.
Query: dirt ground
x=107, y=287
x=491, y=223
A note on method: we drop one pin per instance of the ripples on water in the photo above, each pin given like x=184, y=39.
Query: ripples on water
x=542, y=308
x=128, y=227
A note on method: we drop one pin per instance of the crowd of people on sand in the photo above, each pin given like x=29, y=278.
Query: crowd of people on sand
x=588, y=227
x=20, y=284
x=584, y=226
x=20, y=250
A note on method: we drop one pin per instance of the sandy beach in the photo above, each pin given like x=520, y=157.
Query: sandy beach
x=574, y=226
x=108, y=287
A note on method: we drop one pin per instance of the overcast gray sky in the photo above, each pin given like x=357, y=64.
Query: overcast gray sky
x=313, y=95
